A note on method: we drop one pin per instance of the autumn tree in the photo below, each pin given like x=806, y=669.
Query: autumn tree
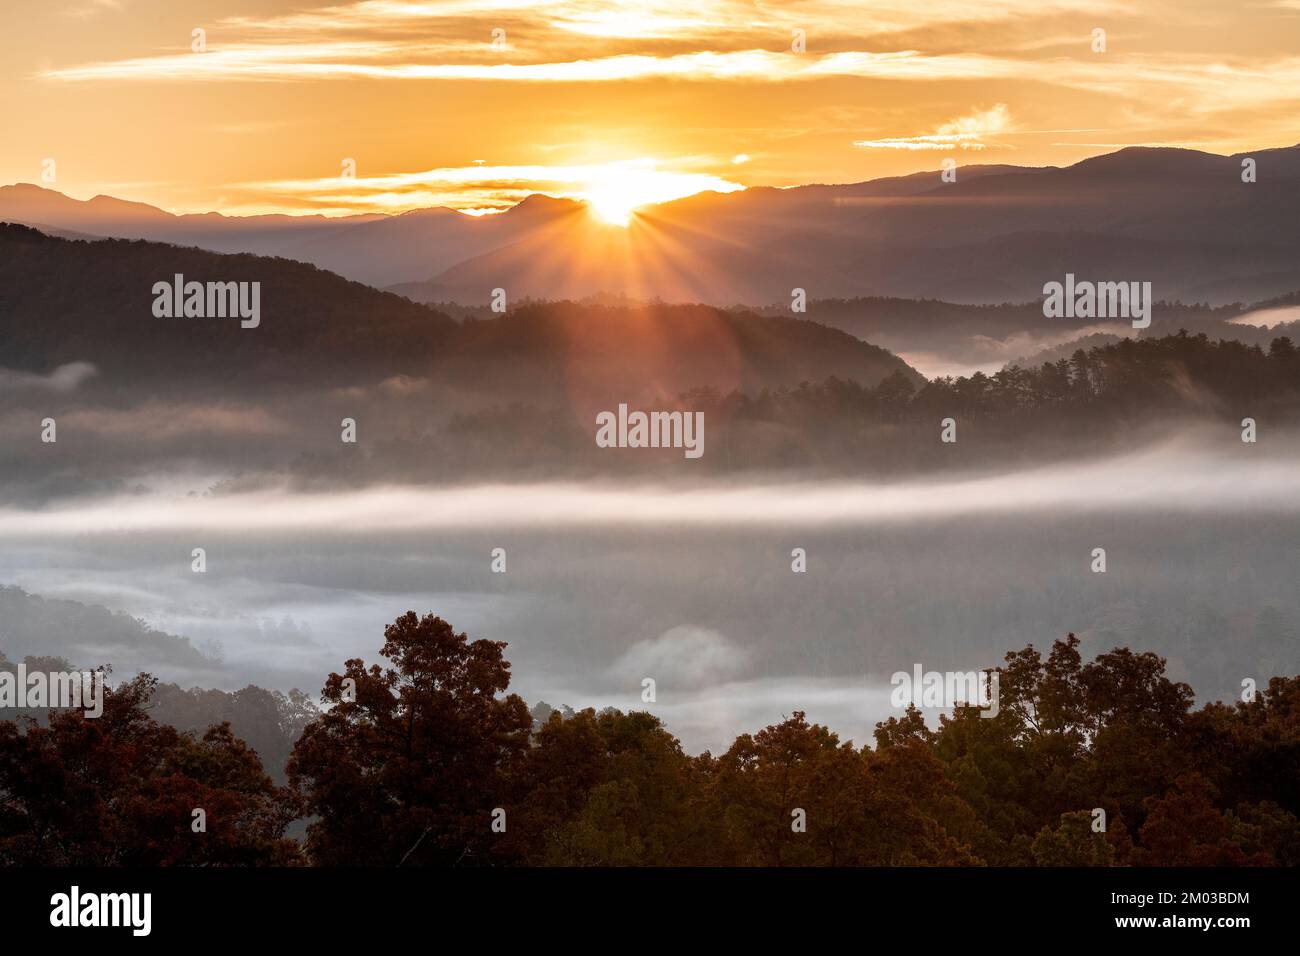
x=1184, y=828
x=788, y=773
x=914, y=814
x=607, y=789
x=1068, y=736
x=407, y=764
x=121, y=789
x=1074, y=842
x=854, y=807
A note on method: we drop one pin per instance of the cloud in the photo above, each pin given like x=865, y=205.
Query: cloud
x=698, y=20
x=484, y=188
x=91, y=8
x=405, y=385
x=360, y=60
x=65, y=378
x=1036, y=44
x=1194, y=85
x=163, y=422
x=1175, y=88
x=1268, y=318
x=684, y=657
x=1171, y=478
x=966, y=132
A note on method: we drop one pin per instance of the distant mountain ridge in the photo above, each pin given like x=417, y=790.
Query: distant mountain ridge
x=1182, y=219
x=65, y=301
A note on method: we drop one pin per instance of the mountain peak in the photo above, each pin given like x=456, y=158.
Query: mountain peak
x=541, y=203
x=29, y=202
x=28, y=189
x=1154, y=160
x=127, y=206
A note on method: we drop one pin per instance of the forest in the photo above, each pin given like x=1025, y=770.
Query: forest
x=1104, y=400
x=425, y=759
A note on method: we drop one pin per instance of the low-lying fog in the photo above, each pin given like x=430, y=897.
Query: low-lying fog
x=606, y=585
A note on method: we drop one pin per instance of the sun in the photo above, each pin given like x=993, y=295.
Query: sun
x=615, y=191
x=614, y=202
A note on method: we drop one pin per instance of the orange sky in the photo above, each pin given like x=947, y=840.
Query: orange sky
x=612, y=101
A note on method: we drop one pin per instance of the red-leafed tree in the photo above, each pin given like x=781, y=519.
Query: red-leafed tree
x=408, y=763
x=121, y=789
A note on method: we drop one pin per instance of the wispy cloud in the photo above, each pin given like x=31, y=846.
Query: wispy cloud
x=65, y=378
x=366, y=60
x=720, y=77
x=1195, y=86
x=91, y=8
x=1164, y=479
x=687, y=656
x=480, y=188
x=664, y=19
x=581, y=41
x=967, y=132
x=734, y=42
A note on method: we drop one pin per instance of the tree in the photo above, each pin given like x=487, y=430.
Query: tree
x=892, y=807
x=1184, y=828
x=409, y=762
x=763, y=779
x=1073, y=843
x=607, y=789
x=122, y=790
x=268, y=720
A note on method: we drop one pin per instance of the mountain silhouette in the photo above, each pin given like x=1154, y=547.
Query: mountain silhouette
x=67, y=301
x=1182, y=219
